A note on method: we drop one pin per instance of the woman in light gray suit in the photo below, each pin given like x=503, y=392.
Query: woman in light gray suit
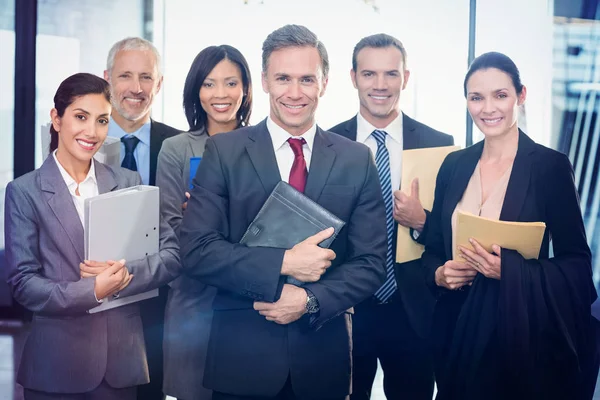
x=217, y=98
x=70, y=354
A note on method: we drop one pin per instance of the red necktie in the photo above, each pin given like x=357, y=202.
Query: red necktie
x=298, y=172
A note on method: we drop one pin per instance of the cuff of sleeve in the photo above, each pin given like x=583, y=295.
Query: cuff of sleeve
x=99, y=301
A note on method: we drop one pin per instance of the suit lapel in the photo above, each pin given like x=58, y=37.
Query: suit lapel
x=262, y=155
x=59, y=199
x=519, y=180
x=322, y=159
x=351, y=128
x=459, y=181
x=106, y=180
x=156, y=139
x=410, y=138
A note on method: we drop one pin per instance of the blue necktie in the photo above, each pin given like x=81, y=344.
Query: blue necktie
x=129, y=160
x=382, y=159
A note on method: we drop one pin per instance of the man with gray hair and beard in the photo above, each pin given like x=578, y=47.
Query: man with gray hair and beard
x=272, y=339
x=133, y=69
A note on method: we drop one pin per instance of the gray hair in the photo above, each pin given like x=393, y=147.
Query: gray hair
x=132, y=43
x=293, y=36
x=378, y=41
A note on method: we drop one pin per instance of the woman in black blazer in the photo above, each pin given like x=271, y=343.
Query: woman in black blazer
x=506, y=327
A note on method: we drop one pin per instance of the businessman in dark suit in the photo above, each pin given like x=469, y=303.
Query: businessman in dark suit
x=133, y=71
x=394, y=324
x=271, y=339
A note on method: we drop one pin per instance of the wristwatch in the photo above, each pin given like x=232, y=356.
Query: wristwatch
x=312, y=304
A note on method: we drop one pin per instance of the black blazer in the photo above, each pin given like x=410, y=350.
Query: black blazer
x=247, y=354
x=158, y=133
x=416, y=299
x=533, y=328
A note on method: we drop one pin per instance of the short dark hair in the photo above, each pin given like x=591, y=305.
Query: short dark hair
x=72, y=88
x=378, y=41
x=495, y=60
x=293, y=36
x=203, y=64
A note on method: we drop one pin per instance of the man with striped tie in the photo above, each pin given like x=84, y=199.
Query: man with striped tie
x=392, y=326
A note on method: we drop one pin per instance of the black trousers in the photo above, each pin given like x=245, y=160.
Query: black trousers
x=153, y=321
x=286, y=393
x=383, y=331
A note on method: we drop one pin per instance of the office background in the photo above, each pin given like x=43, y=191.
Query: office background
x=556, y=45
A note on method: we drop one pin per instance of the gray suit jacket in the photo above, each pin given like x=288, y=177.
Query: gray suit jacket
x=173, y=172
x=69, y=350
x=188, y=313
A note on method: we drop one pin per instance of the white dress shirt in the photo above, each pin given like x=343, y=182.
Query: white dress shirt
x=283, y=152
x=87, y=188
x=393, y=143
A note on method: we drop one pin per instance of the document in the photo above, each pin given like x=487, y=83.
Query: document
x=423, y=164
x=123, y=224
x=524, y=237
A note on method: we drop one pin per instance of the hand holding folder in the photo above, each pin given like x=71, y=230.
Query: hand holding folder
x=423, y=164
x=524, y=237
x=135, y=211
x=287, y=218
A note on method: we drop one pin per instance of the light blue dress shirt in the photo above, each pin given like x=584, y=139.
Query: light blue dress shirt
x=142, y=150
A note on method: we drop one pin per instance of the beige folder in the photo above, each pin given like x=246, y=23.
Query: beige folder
x=423, y=164
x=524, y=237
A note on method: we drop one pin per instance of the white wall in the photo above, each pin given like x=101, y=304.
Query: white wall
x=523, y=30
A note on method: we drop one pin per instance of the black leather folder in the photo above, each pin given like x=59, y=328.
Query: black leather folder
x=287, y=218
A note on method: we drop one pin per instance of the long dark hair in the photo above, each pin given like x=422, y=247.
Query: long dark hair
x=203, y=64
x=69, y=90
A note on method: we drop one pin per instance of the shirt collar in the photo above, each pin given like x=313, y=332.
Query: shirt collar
x=279, y=136
x=364, y=128
x=115, y=130
x=71, y=183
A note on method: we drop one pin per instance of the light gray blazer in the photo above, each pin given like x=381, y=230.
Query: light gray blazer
x=188, y=313
x=68, y=350
x=173, y=171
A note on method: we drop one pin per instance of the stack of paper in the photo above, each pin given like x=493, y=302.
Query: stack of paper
x=524, y=237
x=425, y=165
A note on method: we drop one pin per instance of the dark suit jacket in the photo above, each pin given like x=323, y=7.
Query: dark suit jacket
x=528, y=335
x=69, y=350
x=247, y=354
x=158, y=133
x=416, y=299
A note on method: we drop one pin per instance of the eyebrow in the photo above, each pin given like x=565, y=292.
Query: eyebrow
x=386, y=71
x=87, y=112
x=229, y=77
x=495, y=91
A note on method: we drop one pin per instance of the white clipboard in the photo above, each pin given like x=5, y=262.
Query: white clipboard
x=123, y=224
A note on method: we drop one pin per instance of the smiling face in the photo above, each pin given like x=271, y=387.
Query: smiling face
x=221, y=95
x=493, y=102
x=294, y=81
x=82, y=128
x=134, y=81
x=380, y=77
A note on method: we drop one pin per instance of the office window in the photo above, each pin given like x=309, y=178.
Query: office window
x=75, y=36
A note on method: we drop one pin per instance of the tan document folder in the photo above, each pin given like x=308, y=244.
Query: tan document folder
x=423, y=164
x=524, y=237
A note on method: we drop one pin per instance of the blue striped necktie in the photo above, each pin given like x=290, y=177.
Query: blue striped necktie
x=382, y=159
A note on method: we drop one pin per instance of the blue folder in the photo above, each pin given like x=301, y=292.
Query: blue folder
x=194, y=163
